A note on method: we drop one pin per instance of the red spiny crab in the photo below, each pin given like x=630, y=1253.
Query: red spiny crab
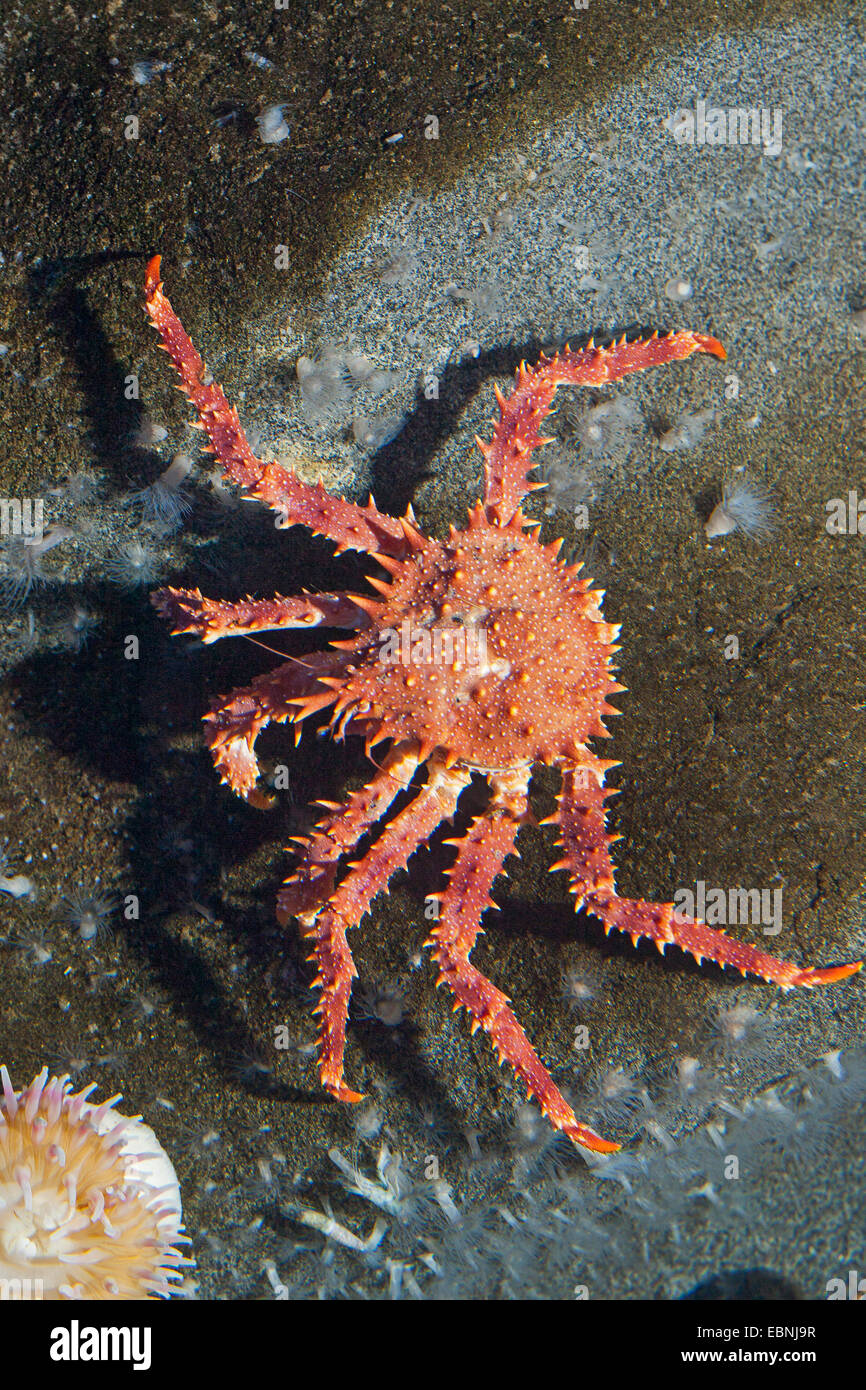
x=531, y=686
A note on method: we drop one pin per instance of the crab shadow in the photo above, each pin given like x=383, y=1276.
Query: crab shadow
x=112, y=408
x=559, y=924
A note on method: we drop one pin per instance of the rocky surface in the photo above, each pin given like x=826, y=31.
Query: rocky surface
x=556, y=202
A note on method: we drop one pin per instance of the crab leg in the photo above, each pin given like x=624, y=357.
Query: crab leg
x=310, y=885
x=210, y=619
x=508, y=456
x=480, y=856
x=581, y=821
x=349, y=526
x=234, y=724
x=398, y=841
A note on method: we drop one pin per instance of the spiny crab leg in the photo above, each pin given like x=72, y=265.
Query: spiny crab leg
x=480, y=856
x=350, y=527
x=581, y=821
x=233, y=725
x=435, y=802
x=210, y=619
x=508, y=455
x=310, y=885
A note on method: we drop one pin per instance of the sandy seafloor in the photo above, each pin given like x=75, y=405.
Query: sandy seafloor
x=456, y=257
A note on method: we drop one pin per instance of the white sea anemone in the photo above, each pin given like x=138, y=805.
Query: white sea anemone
x=325, y=390
x=737, y=1031
x=24, y=569
x=376, y=432
x=89, y=1201
x=398, y=266
x=164, y=502
x=605, y=427
x=146, y=69
x=678, y=289
x=147, y=434
x=133, y=565
x=384, y=1003
x=615, y=1095
x=363, y=373
x=568, y=484
x=688, y=431
x=273, y=128
x=89, y=914
x=746, y=507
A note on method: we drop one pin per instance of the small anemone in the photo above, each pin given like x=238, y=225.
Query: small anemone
x=164, y=503
x=24, y=572
x=366, y=1120
x=739, y=1031
x=146, y=69
x=71, y=1058
x=253, y=1068
x=24, y=568
x=678, y=290
x=398, y=266
x=78, y=627
x=374, y=433
x=746, y=507
x=143, y=1007
x=199, y=1140
x=272, y=125
x=79, y=488
x=691, y=1085
x=360, y=367
x=132, y=566
x=567, y=483
x=536, y=1147
x=605, y=427
x=89, y=914
x=688, y=431
x=147, y=433
x=614, y=1096
x=383, y=1003
x=363, y=373
x=325, y=390
x=33, y=948
x=581, y=988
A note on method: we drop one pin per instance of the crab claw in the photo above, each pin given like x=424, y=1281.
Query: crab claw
x=810, y=975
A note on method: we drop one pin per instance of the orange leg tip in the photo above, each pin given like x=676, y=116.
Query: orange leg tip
x=828, y=976
x=345, y=1094
x=151, y=274
x=711, y=345
x=588, y=1139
